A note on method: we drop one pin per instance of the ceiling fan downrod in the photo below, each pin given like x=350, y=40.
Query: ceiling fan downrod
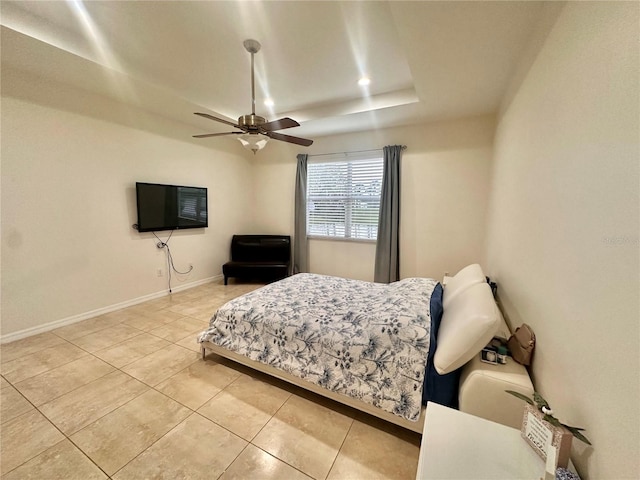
x=253, y=47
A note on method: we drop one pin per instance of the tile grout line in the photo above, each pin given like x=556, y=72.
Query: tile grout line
x=249, y=442
x=158, y=439
x=234, y=460
x=263, y=427
x=73, y=389
x=341, y=445
x=61, y=432
x=291, y=394
x=267, y=422
x=152, y=387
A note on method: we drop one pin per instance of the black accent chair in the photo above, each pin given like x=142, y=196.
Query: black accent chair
x=258, y=257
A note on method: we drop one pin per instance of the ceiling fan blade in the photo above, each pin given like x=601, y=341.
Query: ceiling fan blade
x=211, y=117
x=288, y=138
x=205, y=135
x=279, y=124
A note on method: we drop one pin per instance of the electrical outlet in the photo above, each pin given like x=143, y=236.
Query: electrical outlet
x=159, y=272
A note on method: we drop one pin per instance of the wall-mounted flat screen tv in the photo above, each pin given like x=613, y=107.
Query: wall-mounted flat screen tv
x=170, y=207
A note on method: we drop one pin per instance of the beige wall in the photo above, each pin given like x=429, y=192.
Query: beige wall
x=68, y=203
x=445, y=186
x=564, y=222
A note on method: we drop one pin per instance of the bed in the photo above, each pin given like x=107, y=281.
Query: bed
x=368, y=345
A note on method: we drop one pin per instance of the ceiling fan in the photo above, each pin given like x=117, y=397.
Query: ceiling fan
x=255, y=130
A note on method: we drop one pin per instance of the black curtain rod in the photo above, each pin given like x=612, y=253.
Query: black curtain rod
x=404, y=147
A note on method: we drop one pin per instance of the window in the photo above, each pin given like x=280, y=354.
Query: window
x=343, y=198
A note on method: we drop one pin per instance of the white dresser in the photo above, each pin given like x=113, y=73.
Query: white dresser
x=457, y=445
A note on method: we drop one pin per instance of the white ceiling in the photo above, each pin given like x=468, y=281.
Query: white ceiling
x=427, y=60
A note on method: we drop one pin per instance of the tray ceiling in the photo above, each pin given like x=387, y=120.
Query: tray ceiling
x=427, y=61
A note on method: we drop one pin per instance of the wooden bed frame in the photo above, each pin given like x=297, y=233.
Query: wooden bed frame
x=351, y=402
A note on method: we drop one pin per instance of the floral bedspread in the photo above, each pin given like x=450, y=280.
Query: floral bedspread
x=365, y=340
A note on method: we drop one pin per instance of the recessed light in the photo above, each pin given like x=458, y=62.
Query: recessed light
x=364, y=81
x=269, y=102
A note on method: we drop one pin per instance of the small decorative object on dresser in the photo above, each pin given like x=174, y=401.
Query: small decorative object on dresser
x=521, y=344
x=543, y=431
x=543, y=436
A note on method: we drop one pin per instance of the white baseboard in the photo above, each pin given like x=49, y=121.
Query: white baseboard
x=28, y=332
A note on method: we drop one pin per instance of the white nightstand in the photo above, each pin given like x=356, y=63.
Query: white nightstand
x=457, y=445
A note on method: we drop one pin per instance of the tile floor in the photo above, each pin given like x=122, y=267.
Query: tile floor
x=127, y=396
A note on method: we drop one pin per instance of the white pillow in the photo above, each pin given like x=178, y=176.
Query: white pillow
x=468, y=324
x=469, y=275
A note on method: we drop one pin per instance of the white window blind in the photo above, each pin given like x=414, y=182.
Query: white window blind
x=343, y=198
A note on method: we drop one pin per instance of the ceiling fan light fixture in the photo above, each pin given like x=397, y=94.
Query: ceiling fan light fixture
x=253, y=141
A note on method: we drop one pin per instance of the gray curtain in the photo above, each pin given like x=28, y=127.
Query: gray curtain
x=300, y=256
x=387, y=268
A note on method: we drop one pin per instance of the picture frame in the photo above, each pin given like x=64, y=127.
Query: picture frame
x=542, y=436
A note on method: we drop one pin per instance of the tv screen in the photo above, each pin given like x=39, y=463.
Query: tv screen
x=170, y=207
